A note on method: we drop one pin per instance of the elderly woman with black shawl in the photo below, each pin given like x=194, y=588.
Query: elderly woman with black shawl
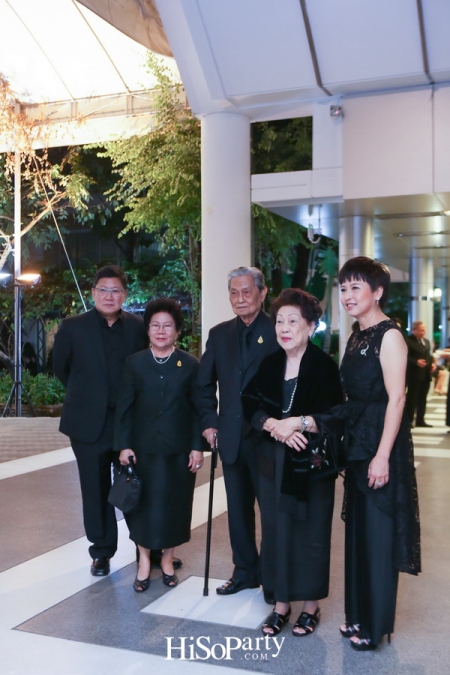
x=296, y=508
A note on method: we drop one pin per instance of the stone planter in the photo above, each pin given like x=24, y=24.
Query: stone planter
x=41, y=410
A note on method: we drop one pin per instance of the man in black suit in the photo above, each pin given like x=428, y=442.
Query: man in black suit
x=418, y=374
x=88, y=357
x=233, y=353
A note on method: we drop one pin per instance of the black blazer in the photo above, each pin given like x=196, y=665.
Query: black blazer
x=79, y=362
x=155, y=411
x=318, y=387
x=417, y=351
x=221, y=365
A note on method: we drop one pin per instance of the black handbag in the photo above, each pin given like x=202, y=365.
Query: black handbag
x=126, y=490
x=325, y=457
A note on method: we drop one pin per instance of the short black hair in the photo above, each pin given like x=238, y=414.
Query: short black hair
x=164, y=305
x=308, y=304
x=110, y=272
x=362, y=268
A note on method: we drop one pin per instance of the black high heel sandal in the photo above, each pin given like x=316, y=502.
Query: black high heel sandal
x=364, y=645
x=275, y=621
x=308, y=622
x=350, y=630
x=170, y=580
x=141, y=585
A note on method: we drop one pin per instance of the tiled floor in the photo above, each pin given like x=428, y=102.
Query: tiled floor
x=55, y=619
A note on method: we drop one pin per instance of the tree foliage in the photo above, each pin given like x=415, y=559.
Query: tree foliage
x=158, y=186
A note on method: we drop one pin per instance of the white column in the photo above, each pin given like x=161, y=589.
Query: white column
x=355, y=238
x=422, y=287
x=226, y=215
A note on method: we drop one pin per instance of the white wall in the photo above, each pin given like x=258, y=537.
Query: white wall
x=388, y=145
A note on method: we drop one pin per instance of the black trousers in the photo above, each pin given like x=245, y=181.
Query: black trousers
x=94, y=467
x=370, y=577
x=416, y=400
x=241, y=485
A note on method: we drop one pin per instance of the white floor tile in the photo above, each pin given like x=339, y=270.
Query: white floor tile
x=246, y=609
x=431, y=452
x=16, y=467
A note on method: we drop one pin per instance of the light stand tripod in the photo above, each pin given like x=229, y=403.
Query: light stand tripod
x=17, y=388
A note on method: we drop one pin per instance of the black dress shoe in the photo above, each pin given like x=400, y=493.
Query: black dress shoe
x=155, y=560
x=234, y=586
x=100, y=567
x=424, y=424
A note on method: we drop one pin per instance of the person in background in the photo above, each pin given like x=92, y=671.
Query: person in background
x=418, y=375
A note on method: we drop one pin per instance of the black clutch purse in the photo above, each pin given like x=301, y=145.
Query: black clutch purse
x=325, y=455
x=126, y=490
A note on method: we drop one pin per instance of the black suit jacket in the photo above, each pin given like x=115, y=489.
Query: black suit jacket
x=221, y=365
x=418, y=351
x=155, y=411
x=79, y=361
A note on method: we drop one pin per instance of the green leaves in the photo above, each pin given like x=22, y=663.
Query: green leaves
x=42, y=389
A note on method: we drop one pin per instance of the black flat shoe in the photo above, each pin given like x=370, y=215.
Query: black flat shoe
x=170, y=580
x=350, y=630
x=100, y=567
x=155, y=560
x=275, y=621
x=233, y=586
x=308, y=622
x=141, y=585
x=364, y=645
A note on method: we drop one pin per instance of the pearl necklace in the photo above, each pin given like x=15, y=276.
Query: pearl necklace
x=163, y=359
x=292, y=398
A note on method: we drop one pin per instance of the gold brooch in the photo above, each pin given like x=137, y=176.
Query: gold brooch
x=260, y=340
x=179, y=363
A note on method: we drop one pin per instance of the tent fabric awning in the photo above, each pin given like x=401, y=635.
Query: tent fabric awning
x=139, y=20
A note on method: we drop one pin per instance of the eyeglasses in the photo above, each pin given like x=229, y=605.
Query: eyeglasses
x=166, y=327
x=115, y=292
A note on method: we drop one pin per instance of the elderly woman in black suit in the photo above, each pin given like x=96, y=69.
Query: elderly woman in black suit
x=296, y=514
x=157, y=425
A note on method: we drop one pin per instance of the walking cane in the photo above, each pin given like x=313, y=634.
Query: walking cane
x=210, y=507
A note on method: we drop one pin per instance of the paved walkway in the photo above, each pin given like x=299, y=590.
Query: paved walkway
x=25, y=436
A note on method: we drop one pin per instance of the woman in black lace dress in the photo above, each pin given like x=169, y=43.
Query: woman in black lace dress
x=381, y=506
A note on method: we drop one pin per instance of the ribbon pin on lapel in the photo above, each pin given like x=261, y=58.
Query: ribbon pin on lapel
x=260, y=340
x=179, y=363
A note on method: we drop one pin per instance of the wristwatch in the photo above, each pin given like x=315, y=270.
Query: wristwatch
x=304, y=423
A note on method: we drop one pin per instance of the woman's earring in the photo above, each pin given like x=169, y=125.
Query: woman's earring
x=377, y=302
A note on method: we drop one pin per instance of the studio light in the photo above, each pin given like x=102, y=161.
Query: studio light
x=28, y=279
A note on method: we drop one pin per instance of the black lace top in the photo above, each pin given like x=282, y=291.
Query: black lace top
x=363, y=416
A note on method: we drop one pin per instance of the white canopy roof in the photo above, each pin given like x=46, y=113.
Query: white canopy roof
x=65, y=62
